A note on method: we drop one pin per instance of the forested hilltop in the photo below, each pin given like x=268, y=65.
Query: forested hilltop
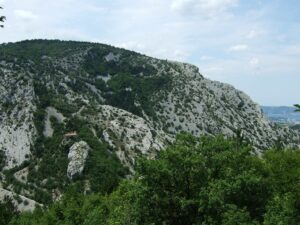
x=194, y=181
x=76, y=117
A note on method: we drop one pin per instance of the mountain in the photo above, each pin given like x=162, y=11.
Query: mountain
x=78, y=112
x=282, y=114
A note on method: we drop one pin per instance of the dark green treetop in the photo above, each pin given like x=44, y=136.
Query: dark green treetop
x=2, y=18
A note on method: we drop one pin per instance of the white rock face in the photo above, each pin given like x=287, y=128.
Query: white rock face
x=112, y=57
x=24, y=204
x=131, y=135
x=17, y=129
x=77, y=156
x=201, y=106
x=22, y=175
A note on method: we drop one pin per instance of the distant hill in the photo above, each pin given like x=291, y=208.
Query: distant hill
x=282, y=114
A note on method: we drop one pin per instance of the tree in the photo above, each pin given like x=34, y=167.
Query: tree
x=195, y=181
x=2, y=19
x=7, y=211
x=283, y=209
x=297, y=107
x=199, y=181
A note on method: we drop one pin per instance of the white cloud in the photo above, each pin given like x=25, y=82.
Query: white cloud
x=132, y=45
x=292, y=50
x=208, y=7
x=254, y=62
x=205, y=58
x=213, y=69
x=24, y=14
x=180, y=55
x=238, y=48
x=252, y=34
x=256, y=33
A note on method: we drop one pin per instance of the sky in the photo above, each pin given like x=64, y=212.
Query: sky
x=252, y=44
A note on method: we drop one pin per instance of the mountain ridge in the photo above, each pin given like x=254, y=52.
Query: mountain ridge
x=120, y=105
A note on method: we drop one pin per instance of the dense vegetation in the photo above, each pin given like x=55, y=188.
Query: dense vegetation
x=35, y=50
x=127, y=90
x=103, y=169
x=7, y=211
x=48, y=165
x=195, y=181
x=95, y=64
x=131, y=86
x=128, y=80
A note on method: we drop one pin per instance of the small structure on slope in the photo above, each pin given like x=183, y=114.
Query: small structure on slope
x=71, y=134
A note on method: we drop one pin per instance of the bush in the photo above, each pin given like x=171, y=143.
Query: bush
x=194, y=181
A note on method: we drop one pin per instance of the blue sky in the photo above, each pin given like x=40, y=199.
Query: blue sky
x=253, y=45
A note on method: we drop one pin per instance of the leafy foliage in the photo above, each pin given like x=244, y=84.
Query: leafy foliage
x=125, y=91
x=195, y=181
x=96, y=64
x=131, y=82
x=2, y=19
x=7, y=211
x=35, y=50
x=103, y=169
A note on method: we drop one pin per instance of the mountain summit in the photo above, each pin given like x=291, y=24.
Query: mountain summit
x=78, y=111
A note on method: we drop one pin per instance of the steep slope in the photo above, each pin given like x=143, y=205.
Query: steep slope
x=201, y=106
x=16, y=114
x=120, y=104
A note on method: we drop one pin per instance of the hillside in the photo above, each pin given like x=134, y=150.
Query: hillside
x=83, y=112
x=207, y=180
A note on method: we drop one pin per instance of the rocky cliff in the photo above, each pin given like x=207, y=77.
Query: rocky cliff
x=119, y=105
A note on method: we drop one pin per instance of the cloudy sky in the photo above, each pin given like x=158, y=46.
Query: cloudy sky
x=251, y=44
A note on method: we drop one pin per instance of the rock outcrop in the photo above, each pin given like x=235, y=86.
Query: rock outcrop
x=21, y=203
x=17, y=129
x=129, y=134
x=77, y=156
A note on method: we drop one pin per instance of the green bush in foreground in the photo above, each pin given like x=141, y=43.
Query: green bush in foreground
x=195, y=181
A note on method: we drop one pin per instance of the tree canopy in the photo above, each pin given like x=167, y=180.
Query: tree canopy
x=195, y=181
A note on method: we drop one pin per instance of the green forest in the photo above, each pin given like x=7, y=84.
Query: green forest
x=206, y=180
